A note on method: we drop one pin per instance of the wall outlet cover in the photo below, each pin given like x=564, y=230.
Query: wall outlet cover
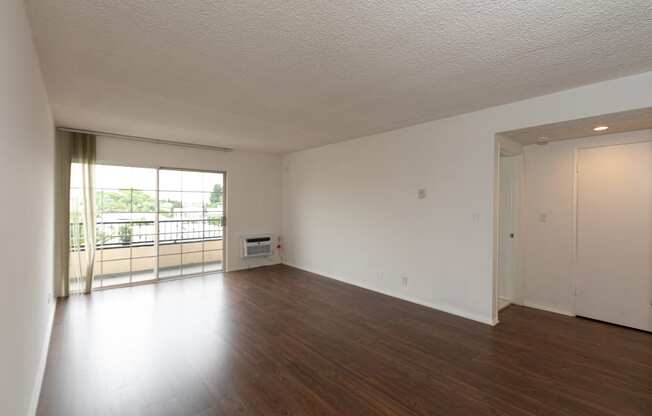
x=404, y=281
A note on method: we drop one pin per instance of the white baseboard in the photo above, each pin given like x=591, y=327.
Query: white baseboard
x=507, y=303
x=439, y=307
x=547, y=308
x=244, y=265
x=38, y=382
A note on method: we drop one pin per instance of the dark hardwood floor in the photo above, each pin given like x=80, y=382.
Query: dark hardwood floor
x=279, y=341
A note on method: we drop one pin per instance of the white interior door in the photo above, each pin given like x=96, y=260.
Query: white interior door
x=509, y=196
x=614, y=234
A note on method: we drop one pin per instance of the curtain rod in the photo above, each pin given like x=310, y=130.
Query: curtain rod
x=147, y=139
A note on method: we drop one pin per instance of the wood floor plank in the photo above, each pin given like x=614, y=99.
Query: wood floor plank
x=281, y=341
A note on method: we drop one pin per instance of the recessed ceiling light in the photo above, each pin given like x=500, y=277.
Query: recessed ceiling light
x=600, y=128
x=543, y=140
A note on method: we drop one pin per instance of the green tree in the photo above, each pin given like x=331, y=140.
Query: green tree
x=142, y=202
x=168, y=206
x=126, y=200
x=216, y=196
x=213, y=220
x=101, y=237
x=125, y=232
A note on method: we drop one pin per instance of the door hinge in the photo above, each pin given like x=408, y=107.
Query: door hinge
x=223, y=221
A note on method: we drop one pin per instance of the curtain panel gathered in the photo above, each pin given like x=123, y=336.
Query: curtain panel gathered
x=75, y=212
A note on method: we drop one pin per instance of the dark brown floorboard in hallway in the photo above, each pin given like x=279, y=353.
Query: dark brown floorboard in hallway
x=279, y=341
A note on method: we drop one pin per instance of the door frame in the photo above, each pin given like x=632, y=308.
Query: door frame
x=157, y=278
x=505, y=149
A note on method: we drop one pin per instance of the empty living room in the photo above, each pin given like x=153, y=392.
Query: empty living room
x=301, y=207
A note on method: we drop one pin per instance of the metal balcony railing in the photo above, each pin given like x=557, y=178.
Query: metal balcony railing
x=115, y=234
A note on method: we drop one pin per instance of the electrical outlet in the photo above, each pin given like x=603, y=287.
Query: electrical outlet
x=381, y=275
x=404, y=281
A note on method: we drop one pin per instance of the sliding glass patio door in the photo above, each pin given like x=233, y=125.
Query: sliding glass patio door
x=152, y=223
x=191, y=219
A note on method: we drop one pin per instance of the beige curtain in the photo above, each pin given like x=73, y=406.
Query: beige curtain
x=75, y=212
x=62, y=213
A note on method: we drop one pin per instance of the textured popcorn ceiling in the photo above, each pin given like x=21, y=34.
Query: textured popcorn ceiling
x=281, y=75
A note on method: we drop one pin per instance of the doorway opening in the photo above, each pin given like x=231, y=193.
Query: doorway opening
x=508, y=282
x=587, y=214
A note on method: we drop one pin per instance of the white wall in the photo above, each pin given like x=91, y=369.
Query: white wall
x=350, y=210
x=548, y=247
x=253, y=185
x=26, y=220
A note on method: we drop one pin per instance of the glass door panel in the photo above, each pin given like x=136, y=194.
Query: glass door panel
x=150, y=224
x=169, y=265
x=126, y=204
x=190, y=228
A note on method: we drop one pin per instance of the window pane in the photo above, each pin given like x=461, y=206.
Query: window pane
x=115, y=201
x=193, y=263
x=169, y=202
x=212, y=182
x=192, y=181
x=193, y=247
x=143, y=201
x=169, y=266
x=143, y=251
x=169, y=180
x=143, y=229
x=192, y=230
x=115, y=272
x=212, y=261
x=193, y=201
x=212, y=245
x=142, y=269
x=169, y=248
x=116, y=253
x=193, y=216
x=143, y=179
x=214, y=199
x=113, y=177
x=170, y=228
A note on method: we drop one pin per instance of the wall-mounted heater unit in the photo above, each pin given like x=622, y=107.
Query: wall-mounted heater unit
x=256, y=245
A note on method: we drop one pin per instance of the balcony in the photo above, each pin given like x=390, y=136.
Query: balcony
x=127, y=253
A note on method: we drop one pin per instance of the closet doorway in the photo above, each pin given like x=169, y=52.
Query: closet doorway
x=614, y=234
